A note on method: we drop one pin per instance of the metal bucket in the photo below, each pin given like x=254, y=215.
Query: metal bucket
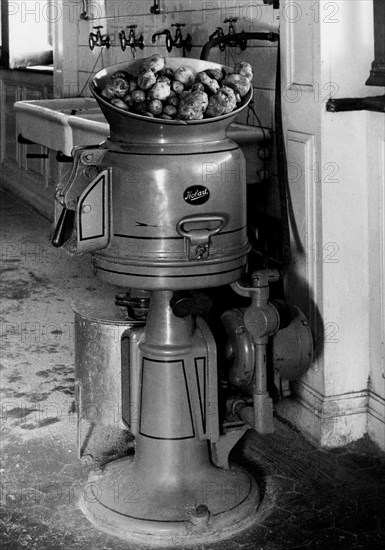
x=106, y=369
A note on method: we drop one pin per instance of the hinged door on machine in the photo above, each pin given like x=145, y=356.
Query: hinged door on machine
x=93, y=216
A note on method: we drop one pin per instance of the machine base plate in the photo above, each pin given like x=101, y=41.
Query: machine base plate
x=214, y=506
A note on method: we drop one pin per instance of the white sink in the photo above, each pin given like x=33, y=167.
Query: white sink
x=61, y=124
x=89, y=127
x=46, y=121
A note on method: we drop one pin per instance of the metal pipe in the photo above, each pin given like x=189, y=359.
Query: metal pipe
x=260, y=382
x=283, y=176
x=271, y=36
x=263, y=404
x=84, y=14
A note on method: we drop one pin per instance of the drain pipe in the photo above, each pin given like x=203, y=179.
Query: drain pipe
x=262, y=320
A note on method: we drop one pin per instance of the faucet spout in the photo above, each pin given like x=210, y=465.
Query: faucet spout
x=165, y=32
x=169, y=42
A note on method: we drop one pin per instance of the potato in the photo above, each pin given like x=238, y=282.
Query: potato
x=217, y=105
x=173, y=99
x=122, y=74
x=192, y=106
x=177, y=86
x=198, y=87
x=138, y=96
x=155, y=107
x=155, y=63
x=184, y=75
x=108, y=91
x=146, y=80
x=117, y=87
x=167, y=72
x=163, y=78
x=239, y=83
x=202, y=97
x=217, y=74
x=119, y=103
x=128, y=99
x=244, y=69
x=170, y=110
x=228, y=95
x=211, y=86
x=142, y=108
x=160, y=90
x=132, y=85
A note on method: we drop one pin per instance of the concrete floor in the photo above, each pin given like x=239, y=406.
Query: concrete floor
x=311, y=498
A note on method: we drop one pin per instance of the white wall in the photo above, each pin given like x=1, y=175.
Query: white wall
x=339, y=213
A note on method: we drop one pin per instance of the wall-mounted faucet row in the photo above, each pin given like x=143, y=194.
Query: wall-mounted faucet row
x=97, y=39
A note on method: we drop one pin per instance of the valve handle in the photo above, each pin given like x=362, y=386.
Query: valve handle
x=91, y=41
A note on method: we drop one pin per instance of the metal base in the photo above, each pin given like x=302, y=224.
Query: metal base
x=212, y=506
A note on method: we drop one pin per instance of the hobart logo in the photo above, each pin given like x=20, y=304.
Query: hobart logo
x=196, y=194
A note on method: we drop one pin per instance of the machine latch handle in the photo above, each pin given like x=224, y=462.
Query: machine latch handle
x=198, y=239
x=62, y=228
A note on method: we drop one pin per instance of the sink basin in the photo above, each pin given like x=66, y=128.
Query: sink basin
x=46, y=121
x=61, y=124
x=89, y=127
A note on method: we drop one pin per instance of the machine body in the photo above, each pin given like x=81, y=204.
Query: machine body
x=161, y=206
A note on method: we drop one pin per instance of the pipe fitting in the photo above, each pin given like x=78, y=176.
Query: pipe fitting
x=261, y=320
x=261, y=317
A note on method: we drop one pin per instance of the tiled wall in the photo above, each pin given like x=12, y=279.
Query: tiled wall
x=201, y=18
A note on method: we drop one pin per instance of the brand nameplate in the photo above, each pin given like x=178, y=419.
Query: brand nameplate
x=196, y=194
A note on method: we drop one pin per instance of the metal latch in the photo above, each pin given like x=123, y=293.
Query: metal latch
x=84, y=226
x=84, y=170
x=198, y=239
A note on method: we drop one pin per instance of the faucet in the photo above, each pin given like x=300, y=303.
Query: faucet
x=97, y=39
x=132, y=40
x=237, y=42
x=216, y=34
x=178, y=41
x=155, y=9
x=239, y=38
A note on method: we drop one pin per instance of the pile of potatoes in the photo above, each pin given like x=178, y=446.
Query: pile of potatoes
x=169, y=94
